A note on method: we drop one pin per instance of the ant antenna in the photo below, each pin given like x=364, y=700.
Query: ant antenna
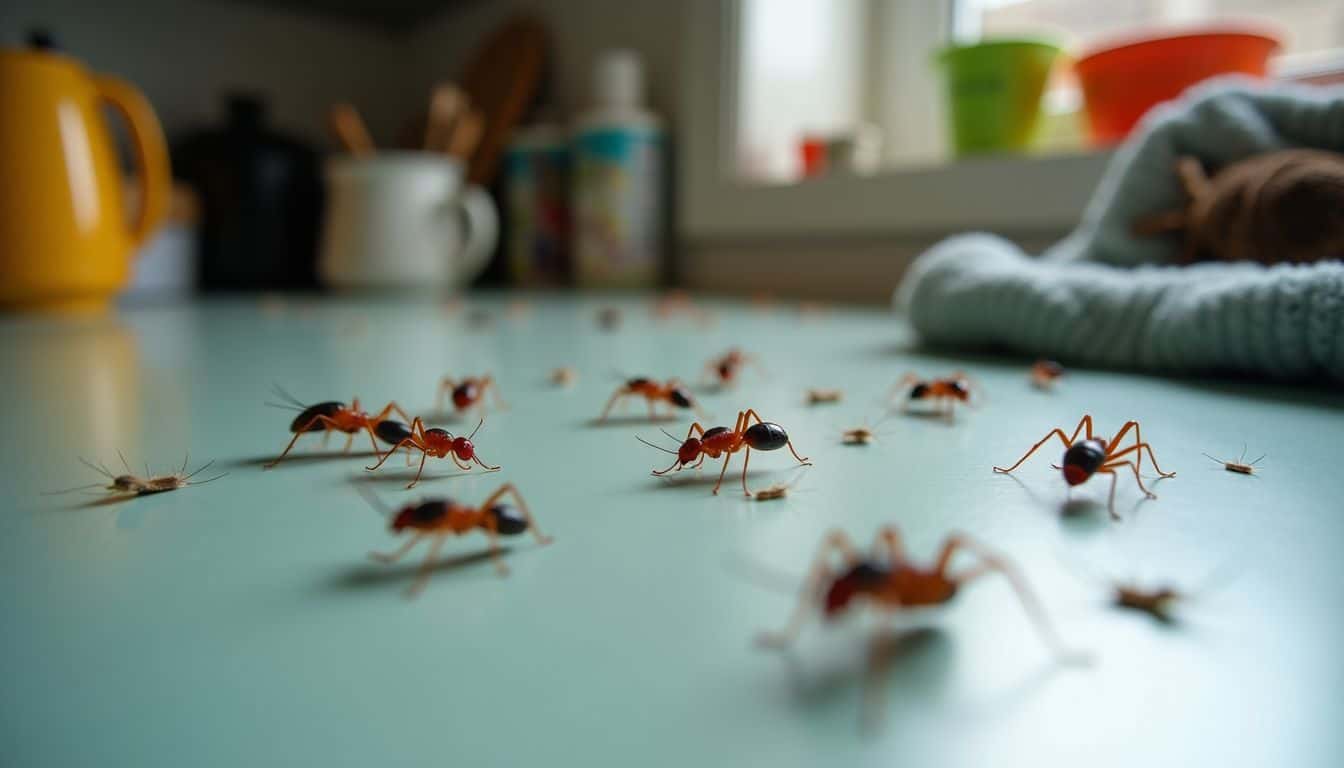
x=478, y=426
x=670, y=435
x=284, y=406
x=651, y=445
x=292, y=400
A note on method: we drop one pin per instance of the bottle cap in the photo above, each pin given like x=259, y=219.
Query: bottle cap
x=619, y=80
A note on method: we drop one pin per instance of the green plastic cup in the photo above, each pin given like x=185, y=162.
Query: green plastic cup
x=994, y=92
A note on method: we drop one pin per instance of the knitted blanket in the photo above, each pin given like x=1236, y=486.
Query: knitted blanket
x=1102, y=296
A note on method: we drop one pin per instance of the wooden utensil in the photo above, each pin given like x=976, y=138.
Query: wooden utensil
x=446, y=102
x=348, y=128
x=502, y=79
x=466, y=136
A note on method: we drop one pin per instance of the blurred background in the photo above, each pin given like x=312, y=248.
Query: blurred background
x=805, y=148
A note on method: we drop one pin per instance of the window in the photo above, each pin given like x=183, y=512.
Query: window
x=861, y=72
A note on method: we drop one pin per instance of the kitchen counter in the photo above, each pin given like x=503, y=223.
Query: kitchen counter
x=240, y=622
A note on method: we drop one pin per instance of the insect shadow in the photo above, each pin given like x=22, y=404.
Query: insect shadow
x=371, y=575
x=402, y=476
x=302, y=458
x=630, y=419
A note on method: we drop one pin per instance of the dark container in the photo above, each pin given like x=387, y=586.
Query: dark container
x=261, y=202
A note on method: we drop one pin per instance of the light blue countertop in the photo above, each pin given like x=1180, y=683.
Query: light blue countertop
x=241, y=623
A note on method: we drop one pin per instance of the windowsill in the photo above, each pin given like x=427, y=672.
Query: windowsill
x=1010, y=193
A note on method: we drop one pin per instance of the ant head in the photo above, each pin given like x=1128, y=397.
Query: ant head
x=858, y=580
x=689, y=450
x=680, y=397
x=463, y=448
x=961, y=389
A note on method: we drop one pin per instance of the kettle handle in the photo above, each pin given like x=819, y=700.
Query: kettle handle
x=151, y=152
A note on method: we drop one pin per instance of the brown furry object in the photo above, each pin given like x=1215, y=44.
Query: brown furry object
x=1285, y=206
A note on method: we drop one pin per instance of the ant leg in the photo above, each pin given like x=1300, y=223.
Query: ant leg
x=1137, y=479
x=406, y=441
x=323, y=420
x=836, y=540
x=426, y=568
x=746, y=460
x=1139, y=444
x=488, y=383
x=349, y=441
x=419, y=472
x=392, y=557
x=476, y=458
x=991, y=561
x=888, y=541
x=904, y=382
x=653, y=413
x=751, y=413
x=390, y=409
x=726, y=458
x=1068, y=442
x=621, y=392
x=460, y=464
x=509, y=489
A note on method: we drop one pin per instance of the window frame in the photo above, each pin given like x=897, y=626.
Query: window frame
x=1009, y=193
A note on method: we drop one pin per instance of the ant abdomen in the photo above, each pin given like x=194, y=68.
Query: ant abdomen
x=765, y=436
x=392, y=432
x=508, y=520
x=308, y=417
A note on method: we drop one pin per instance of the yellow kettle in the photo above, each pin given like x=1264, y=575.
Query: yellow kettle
x=66, y=239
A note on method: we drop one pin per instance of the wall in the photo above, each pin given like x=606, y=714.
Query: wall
x=185, y=53
x=580, y=30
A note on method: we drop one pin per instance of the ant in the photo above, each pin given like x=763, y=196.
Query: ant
x=1044, y=373
x=673, y=392
x=725, y=368
x=1239, y=466
x=944, y=393
x=439, y=443
x=331, y=416
x=892, y=583
x=468, y=392
x=440, y=518
x=132, y=485
x=1092, y=455
x=716, y=441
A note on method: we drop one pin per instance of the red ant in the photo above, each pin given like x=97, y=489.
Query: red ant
x=943, y=393
x=673, y=392
x=468, y=392
x=1091, y=455
x=441, y=518
x=1044, y=373
x=439, y=443
x=331, y=416
x=725, y=368
x=892, y=583
x=722, y=441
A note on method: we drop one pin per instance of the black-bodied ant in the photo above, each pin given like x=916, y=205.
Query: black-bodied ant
x=673, y=393
x=1092, y=455
x=890, y=582
x=944, y=393
x=441, y=518
x=439, y=443
x=332, y=416
x=722, y=441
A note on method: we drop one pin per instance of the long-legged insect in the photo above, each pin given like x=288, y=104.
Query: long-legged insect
x=439, y=443
x=1240, y=466
x=891, y=583
x=1092, y=455
x=131, y=484
x=722, y=441
x=331, y=416
x=440, y=518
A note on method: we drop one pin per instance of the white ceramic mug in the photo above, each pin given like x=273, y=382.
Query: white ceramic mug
x=404, y=220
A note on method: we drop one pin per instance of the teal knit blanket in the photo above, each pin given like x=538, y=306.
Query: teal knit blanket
x=1104, y=297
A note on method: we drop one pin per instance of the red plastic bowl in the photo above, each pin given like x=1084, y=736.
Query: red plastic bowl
x=1121, y=82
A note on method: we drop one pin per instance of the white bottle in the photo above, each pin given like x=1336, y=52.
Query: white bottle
x=619, y=209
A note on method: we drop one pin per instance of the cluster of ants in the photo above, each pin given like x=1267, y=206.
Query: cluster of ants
x=884, y=576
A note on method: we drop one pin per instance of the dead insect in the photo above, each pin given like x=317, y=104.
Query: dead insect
x=131, y=484
x=817, y=396
x=1240, y=466
x=609, y=318
x=861, y=435
x=564, y=376
x=778, y=490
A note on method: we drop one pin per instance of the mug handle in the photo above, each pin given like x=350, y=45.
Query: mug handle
x=482, y=231
x=151, y=152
